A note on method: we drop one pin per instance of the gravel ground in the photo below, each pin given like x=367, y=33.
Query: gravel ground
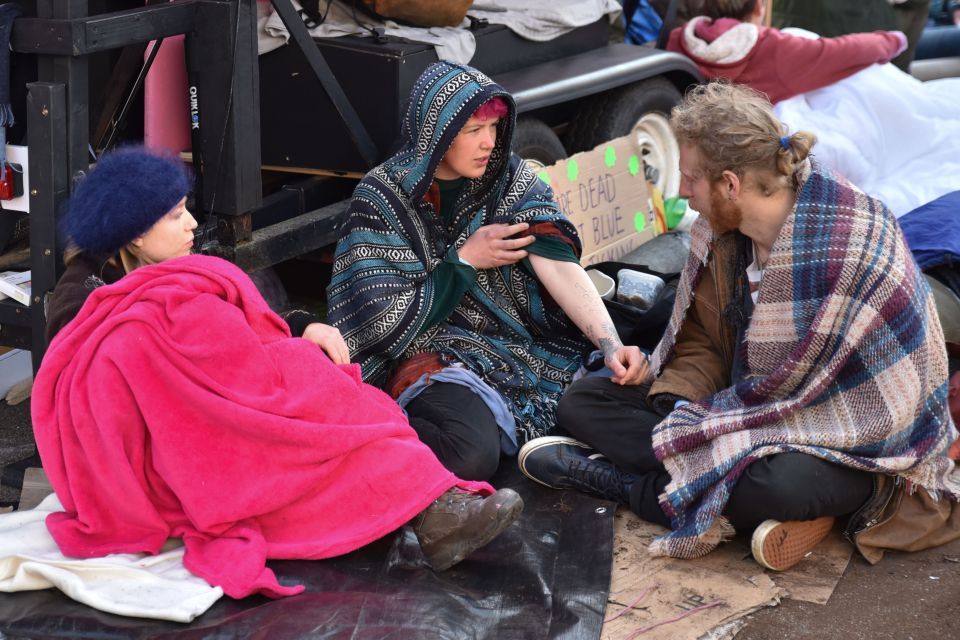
x=907, y=596
x=17, y=448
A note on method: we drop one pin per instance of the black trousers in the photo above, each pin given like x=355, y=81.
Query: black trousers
x=617, y=421
x=459, y=428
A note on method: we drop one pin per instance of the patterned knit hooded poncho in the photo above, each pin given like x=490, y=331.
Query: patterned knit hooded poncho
x=505, y=328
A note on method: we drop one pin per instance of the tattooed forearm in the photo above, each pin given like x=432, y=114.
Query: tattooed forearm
x=608, y=341
x=604, y=337
x=607, y=346
x=572, y=289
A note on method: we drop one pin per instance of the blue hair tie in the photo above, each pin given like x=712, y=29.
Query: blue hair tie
x=785, y=143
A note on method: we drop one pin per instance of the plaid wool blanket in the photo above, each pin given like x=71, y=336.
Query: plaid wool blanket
x=844, y=359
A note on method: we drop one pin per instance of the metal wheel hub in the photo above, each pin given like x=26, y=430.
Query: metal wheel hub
x=659, y=149
x=535, y=165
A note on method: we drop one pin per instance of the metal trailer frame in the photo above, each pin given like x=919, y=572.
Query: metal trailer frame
x=227, y=143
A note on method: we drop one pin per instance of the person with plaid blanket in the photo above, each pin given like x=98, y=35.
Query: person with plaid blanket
x=803, y=368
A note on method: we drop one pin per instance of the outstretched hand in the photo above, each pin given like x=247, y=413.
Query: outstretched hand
x=329, y=339
x=629, y=365
x=491, y=245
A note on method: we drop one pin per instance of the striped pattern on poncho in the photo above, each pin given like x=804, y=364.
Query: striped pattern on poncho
x=844, y=359
x=382, y=292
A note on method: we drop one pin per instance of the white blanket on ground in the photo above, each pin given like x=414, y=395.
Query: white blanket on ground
x=896, y=138
x=136, y=585
x=532, y=19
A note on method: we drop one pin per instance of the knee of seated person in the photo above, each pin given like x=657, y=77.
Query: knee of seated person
x=477, y=464
x=568, y=411
x=775, y=479
x=570, y=417
x=573, y=410
x=796, y=486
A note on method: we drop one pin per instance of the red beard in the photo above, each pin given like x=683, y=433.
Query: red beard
x=725, y=215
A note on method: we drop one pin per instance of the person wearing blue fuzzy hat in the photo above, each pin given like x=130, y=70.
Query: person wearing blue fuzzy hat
x=131, y=211
x=118, y=204
x=181, y=419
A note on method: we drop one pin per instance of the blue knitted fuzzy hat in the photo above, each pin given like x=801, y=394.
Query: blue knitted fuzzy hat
x=125, y=194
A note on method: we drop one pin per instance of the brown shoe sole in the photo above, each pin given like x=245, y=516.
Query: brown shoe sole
x=445, y=553
x=781, y=545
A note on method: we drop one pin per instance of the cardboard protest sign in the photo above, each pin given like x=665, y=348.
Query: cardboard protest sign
x=604, y=193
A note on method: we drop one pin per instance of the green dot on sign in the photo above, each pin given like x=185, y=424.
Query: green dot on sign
x=633, y=165
x=639, y=221
x=573, y=170
x=543, y=175
x=610, y=156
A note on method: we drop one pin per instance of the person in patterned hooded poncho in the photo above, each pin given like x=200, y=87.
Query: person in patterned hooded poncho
x=456, y=282
x=803, y=373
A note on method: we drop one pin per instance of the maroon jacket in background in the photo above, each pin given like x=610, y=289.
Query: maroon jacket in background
x=782, y=65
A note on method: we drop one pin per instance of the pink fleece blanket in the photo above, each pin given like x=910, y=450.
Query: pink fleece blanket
x=176, y=404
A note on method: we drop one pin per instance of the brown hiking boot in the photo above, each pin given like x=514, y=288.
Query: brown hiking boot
x=458, y=523
x=780, y=545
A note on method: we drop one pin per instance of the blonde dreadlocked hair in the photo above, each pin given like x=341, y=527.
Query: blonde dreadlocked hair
x=734, y=129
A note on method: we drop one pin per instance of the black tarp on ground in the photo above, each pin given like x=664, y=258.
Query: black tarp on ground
x=546, y=577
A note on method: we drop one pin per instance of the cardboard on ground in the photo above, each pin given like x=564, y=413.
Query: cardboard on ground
x=604, y=193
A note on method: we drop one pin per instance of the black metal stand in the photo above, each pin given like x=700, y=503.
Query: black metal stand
x=224, y=103
x=46, y=128
x=63, y=35
x=300, y=35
